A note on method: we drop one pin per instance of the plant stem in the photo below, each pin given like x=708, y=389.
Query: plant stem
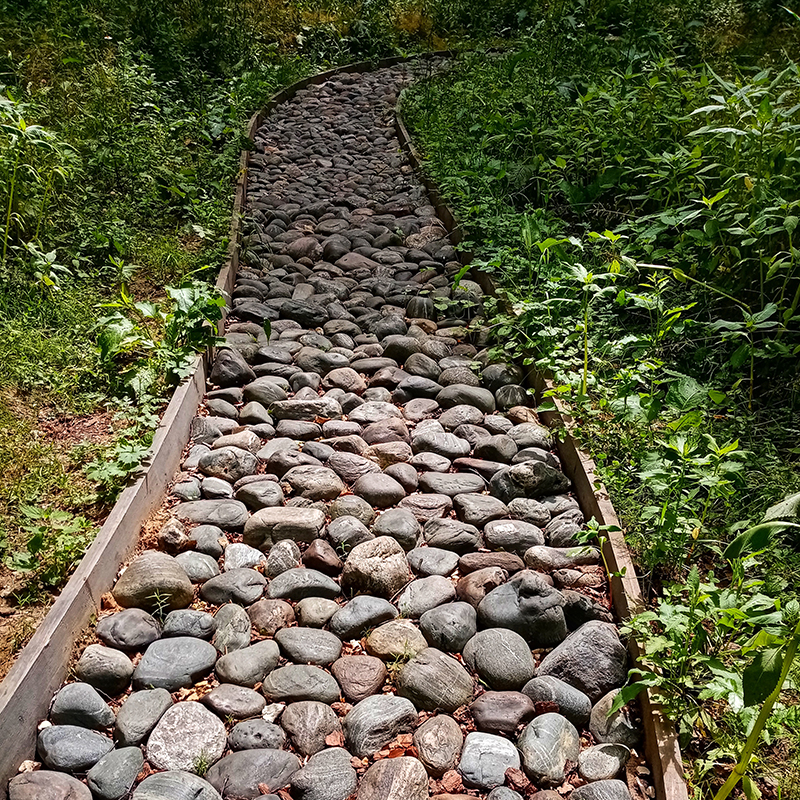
x=7, y=232
x=755, y=734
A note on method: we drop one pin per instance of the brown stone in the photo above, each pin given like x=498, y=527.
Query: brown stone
x=438, y=742
x=474, y=587
x=399, y=638
x=402, y=778
x=268, y=616
x=321, y=556
x=359, y=676
x=502, y=712
x=472, y=562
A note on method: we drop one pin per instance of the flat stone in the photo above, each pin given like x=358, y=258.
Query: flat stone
x=360, y=615
x=243, y=586
x=130, y=630
x=68, y=748
x=295, y=683
x=328, y=775
x=513, y=535
x=226, y=514
x=479, y=509
x=602, y=790
x=198, y=567
x=45, y=784
x=547, y=743
x=249, y=665
x=438, y=741
x=427, y=506
x=402, y=778
x=434, y=680
x=460, y=415
x=187, y=737
x=550, y=692
x=271, y=525
x=105, y=668
x=229, y=701
x=256, y=734
x=359, y=676
x=309, y=646
x=378, y=567
x=296, y=584
x=501, y=658
x=450, y=534
x=530, y=479
x=153, y=576
x=547, y=559
x=427, y=561
x=174, y=664
x=527, y=604
x=240, y=774
x=449, y=627
x=375, y=721
x=228, y=463
x=398, y=639
x=424, y=594
x=451, y=483
x=461, y=394
x=485, y=759
x=603, y=762
x=502, y=712
x=242, y=556
x=308, y=723
x=347, y=532
x=315, y=483
x=80, y=704
x=472, y=562
x=592, y=659
x=139, y=714
x=400, y=524
x=475, y=586
x=112, y=777
x=315, y=612
x=268, y=616
x=175, y=785
x=441, y=443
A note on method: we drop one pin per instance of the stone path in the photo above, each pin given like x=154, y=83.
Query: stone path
x=369, y=584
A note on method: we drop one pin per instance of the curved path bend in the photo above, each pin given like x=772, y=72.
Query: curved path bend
x=367, y=584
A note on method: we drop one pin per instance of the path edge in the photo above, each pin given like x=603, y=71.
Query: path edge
x=43, y=664
x=661, y=742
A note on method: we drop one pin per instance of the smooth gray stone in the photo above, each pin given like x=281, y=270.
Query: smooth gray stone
x=504, y=793
x=226, y=514
x=496, y=448
x=233, y=629
x=270, y=525
x=230, y=369
x=174, y=664
x=228, y=463
x=592, y=659
x=209, y=539
x=432, y=561
x=309, y=646
x=360, y=614
x=139, y=714
x=217, y=489
x=260, y=494
x=105, y=668
x=383, y=776
x=433, y=680
x=68, y=748
x=239, y=774
x=616, y=728
x=602, y=790
x=460, y=394
x=375, y=721
x=328, y=775
x=346, y=532
x=424, y=594
x=572, y=703
x=198, y=566
x=449, y=627
x=130, y=630
x=603, y=762
x=547, y=743
x=308, y=723
x=256, y=734
x=441, y=443
x=350, y=467
x=529, y=434
x=451, y=483
x=450, y=534
x=512, y=535
x=264, y=390
x=548, y=559
x=80, y=704
x=485, y=759
x=295, y=683
x=313, y=482
x=348, y=505
x=175, y=785
x=438, y=741
x=297, y=584
x=46, y=785
x=229, y=701
x=529, y=510
x=188, y=622
x=400, y=524
x=528, y=605
x=187, y=490
x=112, y=777
x=501, y=657
x=460, y=415
x=242, y=586
x=379, y=490
x=248, y=666
x=479, y=509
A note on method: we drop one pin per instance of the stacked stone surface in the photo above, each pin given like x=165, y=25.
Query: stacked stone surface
x=364, y=535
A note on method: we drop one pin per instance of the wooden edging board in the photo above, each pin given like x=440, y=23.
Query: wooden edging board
x=661, y=743
x=41, y=667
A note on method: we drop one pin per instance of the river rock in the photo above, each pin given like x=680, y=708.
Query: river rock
x=501, y=658
x=239, y=775
x=569, y=701
x=295, y=683
x=241, y=586
x=433, y=680
x=269, y=616
x=248, y=665
x=328, y=775
x=424, y=594
x=502, y=712
x=602, y=790
x=401, y=778
x=309, y=646
x=256, y=734
x=378, y=567
x=188, y=737
x=616, y=728
x=112, y=777
x=449, y=627
x=427, y=561
x=603, y=762
x=80, y=704
x=485, y=759
x=105, y=668
x=296, y=584
x=68, y=748
x=529, y=479
x=308, y=723
x=139, y=714
x=130, y=630
x=270, y=525
x=359, y=615
x=399, y=639
x=175, y=785
x=152, y=580
x=375, y=721
x=400, y=524
x=230, y=701
x=359, y=676
x=46, y=785
x=173, y=664
x=438, y=742
x=547, y=743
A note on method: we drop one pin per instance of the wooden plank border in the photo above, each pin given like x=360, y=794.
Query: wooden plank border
x=661, y=742
x=41, y=667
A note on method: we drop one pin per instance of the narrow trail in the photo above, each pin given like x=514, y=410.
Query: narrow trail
x=369, y=583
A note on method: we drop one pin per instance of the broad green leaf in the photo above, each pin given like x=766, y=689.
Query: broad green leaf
x=788, y=508
x=761, y=676
x=685, y=394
